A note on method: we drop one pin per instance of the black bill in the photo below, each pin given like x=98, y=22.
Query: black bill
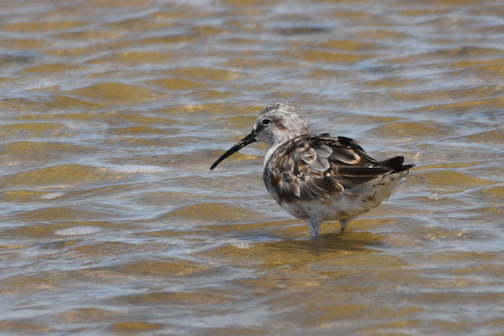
x=244, y=142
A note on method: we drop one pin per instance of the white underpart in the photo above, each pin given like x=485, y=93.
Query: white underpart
x=270, y=153
x=345, y=206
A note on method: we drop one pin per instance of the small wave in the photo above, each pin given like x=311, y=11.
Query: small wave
x=138, y=169
x=52, y=195
x=78, y=230
x=242, y=245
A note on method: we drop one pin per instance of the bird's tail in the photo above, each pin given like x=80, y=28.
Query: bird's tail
x=396, y=164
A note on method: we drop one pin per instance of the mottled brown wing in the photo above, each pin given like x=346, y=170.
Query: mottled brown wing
x=314, y=167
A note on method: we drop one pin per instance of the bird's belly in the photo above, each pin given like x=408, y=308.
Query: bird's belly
x=350, y=203
x=336, y=208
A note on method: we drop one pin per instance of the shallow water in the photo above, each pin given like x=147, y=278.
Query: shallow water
x=111, y=113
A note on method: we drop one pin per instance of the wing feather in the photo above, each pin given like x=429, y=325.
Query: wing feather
x=314, y=167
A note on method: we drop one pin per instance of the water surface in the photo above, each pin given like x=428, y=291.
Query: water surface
x=111, y=113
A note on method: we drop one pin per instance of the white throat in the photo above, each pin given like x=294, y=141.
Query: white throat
x=270, y=153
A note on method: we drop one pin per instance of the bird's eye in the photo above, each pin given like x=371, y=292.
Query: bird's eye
x=266, y=121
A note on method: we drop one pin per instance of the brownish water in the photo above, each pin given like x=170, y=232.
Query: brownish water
x=111, y=113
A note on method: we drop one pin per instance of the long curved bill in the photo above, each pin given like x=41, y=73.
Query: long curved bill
x=244, y=142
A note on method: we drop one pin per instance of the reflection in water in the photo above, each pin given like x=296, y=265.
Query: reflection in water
x=329, y=244
x=112, y=112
